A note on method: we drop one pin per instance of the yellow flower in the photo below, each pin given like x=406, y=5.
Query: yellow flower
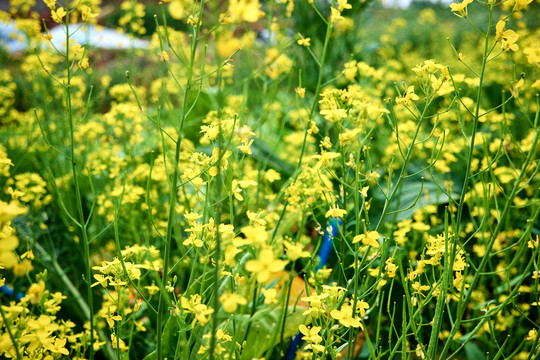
x=315, y=304
x=255, y=219
x=361, y=307
x=507, y=38
x=350, y=70
x=460, y=8
x=51, y=4
x=245, y=146
x=533, y=55
x=419, y=287
x=8, y=244
x=270, y=296
x=342, y=5
x=335, y=212
x=152, y=289
x=265, y=265
x=295, y=251
x=408, y=97
x=345, y=318
x=304, y=42
x=236, y=190
x=244, y=10
x=35, y=292
x=301, y=92
x=364, y=191
x=532, y=335
x=310, y=335
x=87, y=13
x=83, y=63
x=391, y=268
x=118, y=343
x=22, y=268
x=176, y=8
x=230, y=302
x=164, y=56
x=520, y=5
x=335, y=16
x=371, y=239
x=58, y=15
x=201, y=311
x=111, y=318
x=419, y=352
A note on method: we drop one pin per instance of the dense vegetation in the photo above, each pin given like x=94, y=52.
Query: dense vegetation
x=361, y=179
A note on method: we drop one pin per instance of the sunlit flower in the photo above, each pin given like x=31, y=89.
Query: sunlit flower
x=335, y=212
x=371, y=239
x=265, y=265
x=304, y=41
x=460, y=8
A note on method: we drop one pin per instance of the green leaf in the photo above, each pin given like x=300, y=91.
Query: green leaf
x=170, y=338
x=263, y=326
x=414, y=195
x=473, y=352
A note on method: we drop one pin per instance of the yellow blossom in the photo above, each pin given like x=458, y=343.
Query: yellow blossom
x=58, y=15
x=245, y=146
x=230, y=302
x=342, y=5
x=520, y=5
x=371, y=239
x=304, y=42
x=164, y=56
x=311, y=335
x=35, y=292
x=335, y=212
x=345, y=317
x=391, y=268
x=265, y=265
x=236, y=190
x=51, y=4
x=507, y=38
x=408, y=97
x=244, y=10
x=460, y=8
x=295, y=251
x=361, y=307
x=335, y=15
x=83, y=63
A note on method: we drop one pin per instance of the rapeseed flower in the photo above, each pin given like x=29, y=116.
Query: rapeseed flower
x=345, y=317
x=507, y=38
x=371, y=238
x=58, y=15
x=245, y=10
x=460, y=8
x=408, y=97
x=265, y=265
x=335, y=212
x=230, y=301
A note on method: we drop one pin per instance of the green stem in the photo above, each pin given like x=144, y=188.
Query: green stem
x=173, y=187
x=78, y=197
x=8, y=327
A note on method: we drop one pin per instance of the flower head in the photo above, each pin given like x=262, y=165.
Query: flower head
x=460, y=9
x=335, y=212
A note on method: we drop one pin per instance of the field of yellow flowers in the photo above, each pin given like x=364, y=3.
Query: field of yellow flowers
x=279, y=179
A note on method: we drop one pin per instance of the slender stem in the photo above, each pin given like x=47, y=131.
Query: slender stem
x=173, y=185
x=78, y=197
x=8, y=327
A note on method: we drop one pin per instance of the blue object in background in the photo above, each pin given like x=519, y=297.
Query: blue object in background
x=9, y=292
x=326, y=246
x=324, y=254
